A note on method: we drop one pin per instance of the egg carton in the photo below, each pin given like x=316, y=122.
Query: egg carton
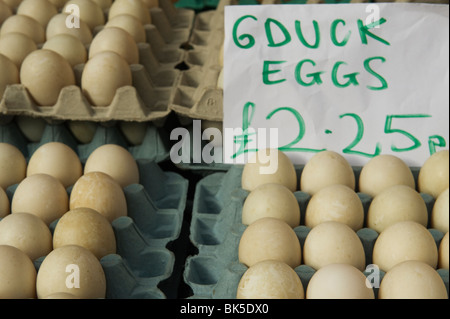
x=142, y=102
x=147, y=99
x=196, y=95
x=143, y=265
x=153, y=147
x=216, y=229
x=148, y=239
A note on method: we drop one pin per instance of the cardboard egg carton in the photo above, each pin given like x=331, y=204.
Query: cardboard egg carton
x=147, y=99
x=143, y=265
x=216, y=228
x=148, y=238
x=196, y=95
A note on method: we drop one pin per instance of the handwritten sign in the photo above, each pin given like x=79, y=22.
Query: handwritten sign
x=358, y=80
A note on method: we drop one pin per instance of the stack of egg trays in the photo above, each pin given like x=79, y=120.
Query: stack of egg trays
x=153, y=78
x=216, y=229
x=197, y=95
x=143, y=266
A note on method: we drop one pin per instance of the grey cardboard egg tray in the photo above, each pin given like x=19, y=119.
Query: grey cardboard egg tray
x=153, y=78
x=197, y=95
x=143, y=266
x=216, y=228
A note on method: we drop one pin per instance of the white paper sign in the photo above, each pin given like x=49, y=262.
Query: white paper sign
x=358, y=79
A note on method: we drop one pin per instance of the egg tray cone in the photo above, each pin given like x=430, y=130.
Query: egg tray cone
x=148, y=237
x=216, y=228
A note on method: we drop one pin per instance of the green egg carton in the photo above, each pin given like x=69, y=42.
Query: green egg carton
x=143, y=265
x=216, y=229
x=153, y=146
x=148, y=237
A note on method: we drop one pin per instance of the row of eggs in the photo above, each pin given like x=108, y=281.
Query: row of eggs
x=404, y=249
x=38, y=50
x=330, y=181
x=83, y=233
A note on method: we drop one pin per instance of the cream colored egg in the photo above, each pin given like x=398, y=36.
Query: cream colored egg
x=271, y=200
x=13, y=4
x=59, y=4
x=130, y=24
x=16, y=46
x=89, y=12
x=71, y=269
x=269, y=239
x=434, y=174
x=116, y=161
x=13, y=165
x=103, y=75
x=100, y=192
x=443, y=253
x=335, y=203
x=382, y=172
x=87, y=228
x=9, y=74
x=45, y=73
x=104, y=4
x=116, y=40
x=270, y=279
x=40, y=10
x=151, y=3
x=83, y=131
x=441, y=212
x=61, y=295
x=403, y=241
x=5, y=12
x=134, y=132
x=5, y=208
x=58, y=25
x=25, y=25
x=395, y=204
x=26, y=232
x=17, y=275
x=41, y=195
x=133, y=7
x=324, y=169
x=58, y=160
x=338, y=281
x=269, y=166
x=69, y=47
x=31, y=127
x=333, y=243
x=412, y=280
